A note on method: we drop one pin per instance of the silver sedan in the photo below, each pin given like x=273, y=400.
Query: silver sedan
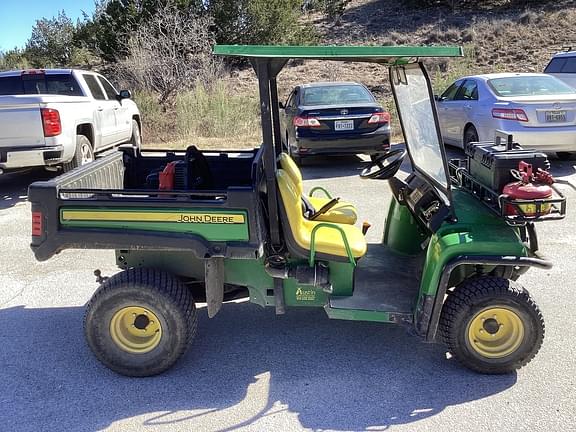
x=539, y=110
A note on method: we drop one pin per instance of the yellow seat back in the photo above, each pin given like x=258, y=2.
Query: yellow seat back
x=290, y=167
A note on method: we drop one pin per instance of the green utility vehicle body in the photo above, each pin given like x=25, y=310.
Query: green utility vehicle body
x=234, y=233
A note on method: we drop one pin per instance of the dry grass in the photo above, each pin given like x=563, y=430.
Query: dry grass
x=505, y=39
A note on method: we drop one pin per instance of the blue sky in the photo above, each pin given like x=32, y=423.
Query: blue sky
x=17, y=17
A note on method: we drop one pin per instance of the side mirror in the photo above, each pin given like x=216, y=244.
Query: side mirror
x=281, y=105
x=124, y=94
x=437, y=97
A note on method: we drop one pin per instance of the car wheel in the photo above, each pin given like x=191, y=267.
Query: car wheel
x=491, y=325
x=136, y=138
x=470, y=135
x=140, y=322
x=565, y=155
x=297, y=159
x=83, y=154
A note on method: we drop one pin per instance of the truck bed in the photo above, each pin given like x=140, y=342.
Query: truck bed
x=115, y=203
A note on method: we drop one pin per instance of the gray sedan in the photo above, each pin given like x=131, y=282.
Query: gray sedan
x=539, y=110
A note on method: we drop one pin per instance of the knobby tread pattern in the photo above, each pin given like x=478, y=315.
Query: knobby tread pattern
x=152, y=280
x=471, y=293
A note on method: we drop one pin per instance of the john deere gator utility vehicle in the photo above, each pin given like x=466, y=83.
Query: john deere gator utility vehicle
x=201, y=226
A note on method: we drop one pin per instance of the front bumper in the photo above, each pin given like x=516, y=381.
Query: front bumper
x=14, y=158
x=370, y=143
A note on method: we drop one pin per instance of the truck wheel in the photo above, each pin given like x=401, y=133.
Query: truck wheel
x=492, y=325
x=140, y=322
x=136, y=138
x=83, y=154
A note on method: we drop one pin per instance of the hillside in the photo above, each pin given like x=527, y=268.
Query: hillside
x=508, y=38
x=505, y=37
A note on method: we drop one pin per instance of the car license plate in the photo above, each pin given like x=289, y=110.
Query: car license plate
x=344, y=125
x=555, y=116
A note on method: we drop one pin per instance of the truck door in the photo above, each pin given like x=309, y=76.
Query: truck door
x=123, y=118
x=105, y=113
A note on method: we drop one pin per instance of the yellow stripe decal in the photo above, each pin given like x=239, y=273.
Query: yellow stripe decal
x=183, y=217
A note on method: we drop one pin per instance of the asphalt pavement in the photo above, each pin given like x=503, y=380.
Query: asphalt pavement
x=249, y=370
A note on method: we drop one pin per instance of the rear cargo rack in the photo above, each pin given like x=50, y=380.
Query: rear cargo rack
x=543, y=209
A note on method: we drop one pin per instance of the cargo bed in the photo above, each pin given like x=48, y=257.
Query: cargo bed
x=115, y=203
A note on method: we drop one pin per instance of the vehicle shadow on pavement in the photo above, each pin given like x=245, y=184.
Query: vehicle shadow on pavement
x=14, y=186
x=245, y=366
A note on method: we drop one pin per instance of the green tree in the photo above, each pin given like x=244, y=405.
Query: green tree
x=259, y=22
x=13, y=59
x=51, y=43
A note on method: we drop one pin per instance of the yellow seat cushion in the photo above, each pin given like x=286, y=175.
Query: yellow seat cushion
x=343, y=212
x=328, y=241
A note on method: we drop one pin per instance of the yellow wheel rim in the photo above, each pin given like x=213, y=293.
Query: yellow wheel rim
x=135, y=329
x=495, y=332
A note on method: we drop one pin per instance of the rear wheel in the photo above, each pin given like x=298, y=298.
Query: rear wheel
x=492, y=325
x=470, y=135
x=140, y=322
x=83, y=154
x=297, y=159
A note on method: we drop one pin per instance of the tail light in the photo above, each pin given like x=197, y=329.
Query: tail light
x=303, y=122
x=37, y=224
x=379, y=117
x=510, y=114
x=51, y=122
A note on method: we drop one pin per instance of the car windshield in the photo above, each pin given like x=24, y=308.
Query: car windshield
x=335, y=95
x=534, y=85
x=418, y=121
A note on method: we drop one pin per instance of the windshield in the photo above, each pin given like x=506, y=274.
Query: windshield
x=530, y=85
x=419, y=123
x=335, y=95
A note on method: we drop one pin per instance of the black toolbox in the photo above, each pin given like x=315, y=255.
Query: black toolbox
x=490, y=162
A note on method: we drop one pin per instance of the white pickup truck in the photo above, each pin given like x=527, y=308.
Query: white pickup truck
x=62, y=118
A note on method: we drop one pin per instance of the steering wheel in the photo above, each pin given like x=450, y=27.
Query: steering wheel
x=385, y=166
x=326, y=207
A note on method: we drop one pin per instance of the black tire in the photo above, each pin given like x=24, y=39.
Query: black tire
x=565, y=155
x=470, y=135
x=136, y=138
x=297, y=159
x=163, y=297
x=83, y=154
x=499, y=299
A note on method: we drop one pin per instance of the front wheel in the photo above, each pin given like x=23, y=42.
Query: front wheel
x=136, y=137
x=492, y=325
x=140, y=322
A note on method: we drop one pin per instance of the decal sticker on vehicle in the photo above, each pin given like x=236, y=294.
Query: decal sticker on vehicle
x=305, y=295
x=212, y=218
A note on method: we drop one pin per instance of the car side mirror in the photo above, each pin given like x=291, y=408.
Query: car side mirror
x=437, y=97
x=281, y=105
x=124, y=94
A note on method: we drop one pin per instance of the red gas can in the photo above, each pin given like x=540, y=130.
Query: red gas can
x=529, y=188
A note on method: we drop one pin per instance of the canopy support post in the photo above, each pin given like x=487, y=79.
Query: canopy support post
x=264, y=81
